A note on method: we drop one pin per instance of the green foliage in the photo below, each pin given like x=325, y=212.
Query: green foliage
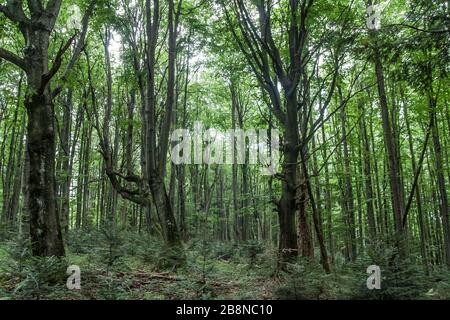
x=251, y=249
x=213, y=270
x=112, y=240
x=83, y=241
x=30, y=277
x=40, y=276
x=17, y=254
x=306, y=280
x=440, y=285
x=152, y=251
x=111, y=288
x=401, y=278
x=120, y=261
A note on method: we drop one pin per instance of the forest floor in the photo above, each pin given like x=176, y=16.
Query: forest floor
x=130, y=266
x=135, y=277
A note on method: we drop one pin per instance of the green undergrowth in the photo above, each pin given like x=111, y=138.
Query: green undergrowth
x=125, y=265
x=129, y=266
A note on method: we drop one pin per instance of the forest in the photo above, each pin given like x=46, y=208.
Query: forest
x=224, y=150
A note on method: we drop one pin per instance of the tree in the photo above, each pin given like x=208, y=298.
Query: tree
x=45, y=229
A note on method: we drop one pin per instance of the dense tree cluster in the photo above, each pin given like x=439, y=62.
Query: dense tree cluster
x=362, y=110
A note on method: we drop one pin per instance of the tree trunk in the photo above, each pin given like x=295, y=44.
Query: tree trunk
x=370, y=197
x=392, y=154
x=305, y=244
x=443, y=204
x=420, y=219
x=12, y=159
x=45, y=230
x=348, y=191
x=288, y=235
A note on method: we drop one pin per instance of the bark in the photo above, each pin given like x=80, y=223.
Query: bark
x=394, y=166
x=368, y=187
x=86, y=223
x=418, y=193
x=65, y=159
x=305, y=244
x=156, y=163
x=11, y=164
x=181, y=170
x=286, y=215
x=16, y=181
x=443, y=203
x=328, y=199
x=45, y=229
x=317, y=224
x=348, y=192
x=234, y=167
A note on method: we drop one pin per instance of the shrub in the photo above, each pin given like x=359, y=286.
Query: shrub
x=224, y=250
x=306, y=280
x=440, y=285
x=83, y=241
x=110, y=250
x=251, y=249
x=401, y=278
x=39, y=276
x=111, y=288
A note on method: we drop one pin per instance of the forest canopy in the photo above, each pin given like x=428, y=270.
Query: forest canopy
x=212, y=149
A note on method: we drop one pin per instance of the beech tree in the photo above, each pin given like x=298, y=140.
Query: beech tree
x=36, y=28
x=166, y=143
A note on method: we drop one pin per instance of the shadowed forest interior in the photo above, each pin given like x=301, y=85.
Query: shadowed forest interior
x=212, y=149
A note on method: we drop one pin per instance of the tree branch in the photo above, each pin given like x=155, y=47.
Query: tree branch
x=35, y=6
x=14, y=59
x=13, y=10
x=56, y=64
x=417, y=174
x=79, y=47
